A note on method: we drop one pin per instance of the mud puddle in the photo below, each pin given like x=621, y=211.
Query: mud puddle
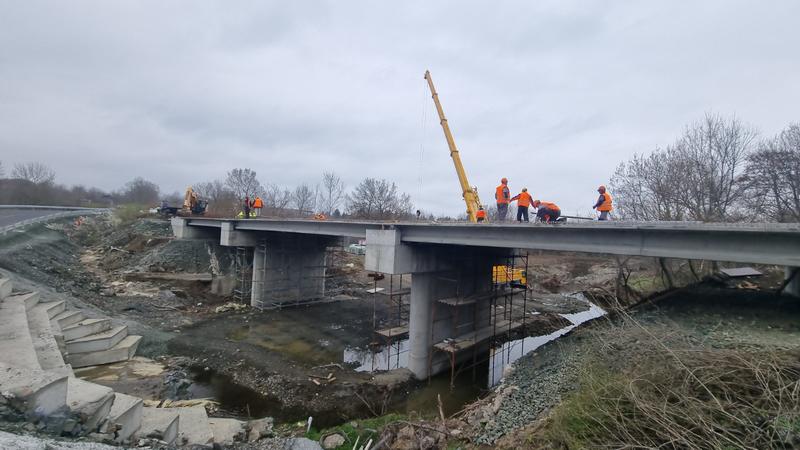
x=235, y=400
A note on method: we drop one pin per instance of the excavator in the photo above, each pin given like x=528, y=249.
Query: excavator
x=500, y=274
x=192, y=206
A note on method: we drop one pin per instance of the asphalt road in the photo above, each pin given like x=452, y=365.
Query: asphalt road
x=12, y=216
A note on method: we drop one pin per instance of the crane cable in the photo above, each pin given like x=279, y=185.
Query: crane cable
x=424, y=120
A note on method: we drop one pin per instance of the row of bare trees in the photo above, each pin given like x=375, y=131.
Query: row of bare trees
x=34, y=183
x=717, y=170
x=370, y=199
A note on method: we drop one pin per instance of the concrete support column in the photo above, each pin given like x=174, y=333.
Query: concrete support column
x=259, y=275
x=420, y=323
x=793, y=288
x=288, y=269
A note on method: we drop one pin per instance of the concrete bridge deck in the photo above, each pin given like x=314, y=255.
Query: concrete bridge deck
x=747, y=243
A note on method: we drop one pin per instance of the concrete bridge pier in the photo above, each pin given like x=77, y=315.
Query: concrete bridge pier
x=450, y=289
x=287, y=267
x=793, y=288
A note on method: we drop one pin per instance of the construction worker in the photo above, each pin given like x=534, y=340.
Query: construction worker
x=503, y=197
x=246, y=206
x=480, y=214
x=257, y=205
x=523, y=200
x=546, y=211
x=603, y=203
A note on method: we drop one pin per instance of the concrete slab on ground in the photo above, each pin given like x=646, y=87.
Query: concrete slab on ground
x=194, y=428
x=126, y=412
x=159, y=423
x=226, y=431
x=92, y=402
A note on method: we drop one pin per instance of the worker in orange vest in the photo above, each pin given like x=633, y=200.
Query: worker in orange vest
x=603, y=203
x=503, y=197
x=523, y=200
x=546, y=211
x=480, y=214
x=257, y=205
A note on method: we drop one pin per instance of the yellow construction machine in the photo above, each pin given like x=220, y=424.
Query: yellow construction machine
x=470, y=193
x=500, y=274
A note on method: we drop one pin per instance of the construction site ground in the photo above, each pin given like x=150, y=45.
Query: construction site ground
x=289, y=364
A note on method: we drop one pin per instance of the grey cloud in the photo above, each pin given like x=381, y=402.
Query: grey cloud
x=550, y=94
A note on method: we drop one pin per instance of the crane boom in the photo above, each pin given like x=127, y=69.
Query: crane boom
x=469, y=193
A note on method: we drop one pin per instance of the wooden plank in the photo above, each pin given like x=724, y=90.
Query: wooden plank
x=394, y=331
x=471, y=339
x=404, y=291
x=472, y=299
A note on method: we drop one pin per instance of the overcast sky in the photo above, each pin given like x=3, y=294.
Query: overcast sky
x=551, y=94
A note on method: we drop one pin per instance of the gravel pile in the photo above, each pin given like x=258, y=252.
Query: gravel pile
x=536, y=384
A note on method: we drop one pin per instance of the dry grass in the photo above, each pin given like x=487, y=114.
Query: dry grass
x=664, y=393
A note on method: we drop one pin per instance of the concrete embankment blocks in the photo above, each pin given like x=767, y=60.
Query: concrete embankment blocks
x=85, y=328
x=37, y=392
x=16, y=345
x=120, y=352
x=30, y=299
x=6, y=286
x=90, y=401
x=159, y=423
x=99, y=341
x=227, y=431
x=67, y=318
x=194, y=428
x=44, y=342
x=126, y=414
x=55, y=308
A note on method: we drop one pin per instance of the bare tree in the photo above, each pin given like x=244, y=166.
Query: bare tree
x=35, y=172
x=711, y=156
x=139, y=191
x=378, y=199
x=304, y=199
x=221, y=199
x=332, y=192
x=2, y=170
x=645, y=188
x=243, y=182
x=277, y=197
x=772, y=177
x=696, y=178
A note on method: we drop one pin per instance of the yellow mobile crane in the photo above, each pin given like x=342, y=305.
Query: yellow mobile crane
x=500, y=274
x=470, y=193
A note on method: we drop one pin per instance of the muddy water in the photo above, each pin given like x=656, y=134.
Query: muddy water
x=236, y=400
x=340, y=333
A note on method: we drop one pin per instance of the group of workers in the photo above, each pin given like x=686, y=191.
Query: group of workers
x=251, y=208
x=545, y=211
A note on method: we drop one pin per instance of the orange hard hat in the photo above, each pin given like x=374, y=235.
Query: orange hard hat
x=601, y=188
x=504, y=180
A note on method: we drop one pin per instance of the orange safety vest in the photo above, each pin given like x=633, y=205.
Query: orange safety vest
x=257, y=203
x=502, y=195
x=549, y=205
x=481, y=214
x=606, y=205
x=523, y=199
